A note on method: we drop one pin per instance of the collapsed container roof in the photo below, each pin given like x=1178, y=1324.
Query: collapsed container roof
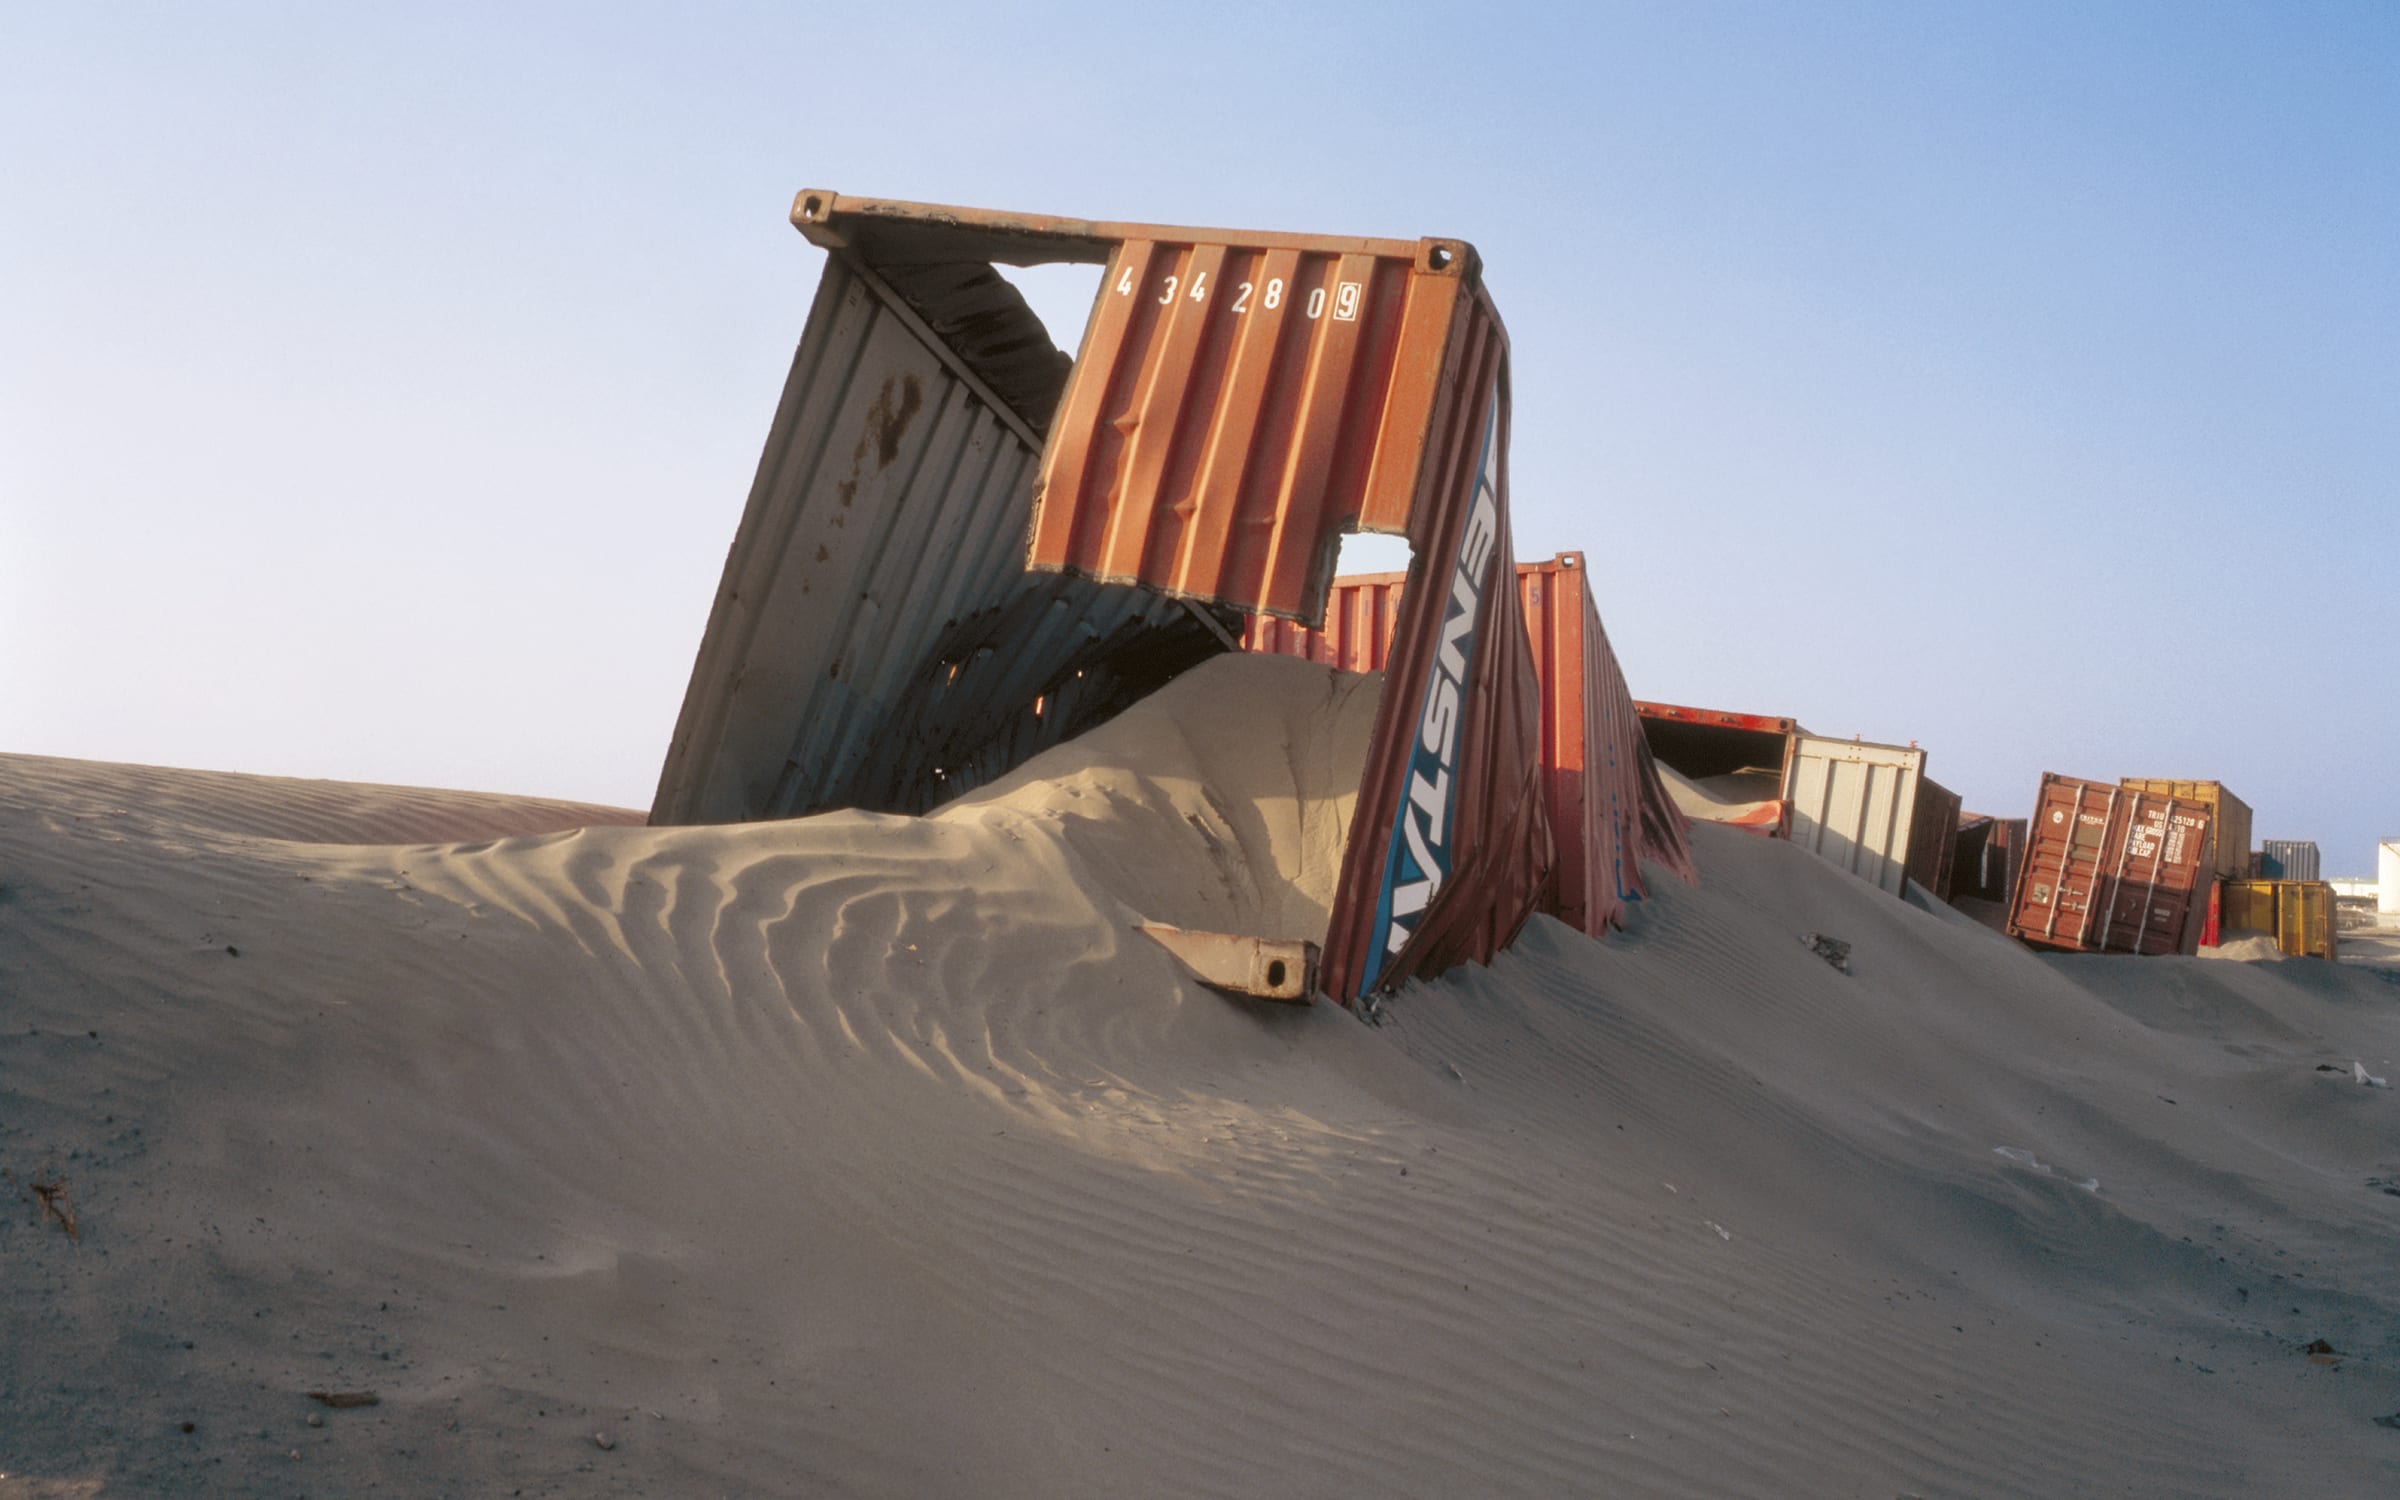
x=962, y=547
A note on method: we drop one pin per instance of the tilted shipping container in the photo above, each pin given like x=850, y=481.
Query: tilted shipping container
x=2112, y=869
x=962, y=547
x=2229, y=816
x=1854, y=805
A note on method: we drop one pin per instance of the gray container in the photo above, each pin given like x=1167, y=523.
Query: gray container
x=2287, y=859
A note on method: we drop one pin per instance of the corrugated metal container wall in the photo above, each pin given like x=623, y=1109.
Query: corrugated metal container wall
x=2228, y=815
x=2307, y=920
x=1854, y=805
x=2112, y=869
x=2299, y=914
x=1984, y=865
x=2011, y=836
x=1608, y=809
x=1357, y=635
x=853, y=654
x=1969, y=847
x=1237, y=406
x=2245, y=906
x=2288, y=859
x=1450, y=849
x=1933, y=838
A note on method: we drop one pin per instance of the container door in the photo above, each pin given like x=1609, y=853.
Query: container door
x=1854, y=805
x=2153, y=872
x=2063, y=858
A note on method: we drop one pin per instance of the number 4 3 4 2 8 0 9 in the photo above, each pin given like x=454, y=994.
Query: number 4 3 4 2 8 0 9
x=1346, y=295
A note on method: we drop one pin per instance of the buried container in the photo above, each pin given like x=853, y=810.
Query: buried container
x=962, y=547
x=1866, y=808
x=1857, y=806
x=1734, y=765
x=2112, y=869
x=2298, y=914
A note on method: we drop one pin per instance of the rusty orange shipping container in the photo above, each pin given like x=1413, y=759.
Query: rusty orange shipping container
x=2113, y=869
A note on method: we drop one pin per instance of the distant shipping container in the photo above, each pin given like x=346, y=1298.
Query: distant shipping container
x=1984, y=863
x=2229, y=816
x=2112, y=869
x=1933, y=838
x=2298, y=914
x=2288, y=859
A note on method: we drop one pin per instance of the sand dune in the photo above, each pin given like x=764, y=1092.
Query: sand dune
x=876, y=1156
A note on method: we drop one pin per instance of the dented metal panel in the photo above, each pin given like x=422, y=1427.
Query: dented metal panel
x=2113, y=869
x=1450, y=846
x=1238, y=406
x=1607, y=809
x=1357, y=634
x=876, y=640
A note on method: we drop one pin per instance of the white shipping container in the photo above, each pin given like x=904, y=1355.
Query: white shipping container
x=1854, y=805
x=2387, y=876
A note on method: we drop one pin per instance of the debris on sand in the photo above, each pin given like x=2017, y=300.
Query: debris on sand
x=340, y=1399
x=50, y=1193
x=1831, y=949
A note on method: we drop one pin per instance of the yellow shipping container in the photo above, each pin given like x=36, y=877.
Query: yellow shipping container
x=2228, y=816
x=2299, y=914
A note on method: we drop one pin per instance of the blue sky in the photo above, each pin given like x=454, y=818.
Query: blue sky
x=378, y=392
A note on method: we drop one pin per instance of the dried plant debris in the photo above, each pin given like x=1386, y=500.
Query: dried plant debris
x=51, y=1202
x=340, y=1399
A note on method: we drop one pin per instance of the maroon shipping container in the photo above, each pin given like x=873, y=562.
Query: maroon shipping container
x=1984, y=864
x=2112, y=869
